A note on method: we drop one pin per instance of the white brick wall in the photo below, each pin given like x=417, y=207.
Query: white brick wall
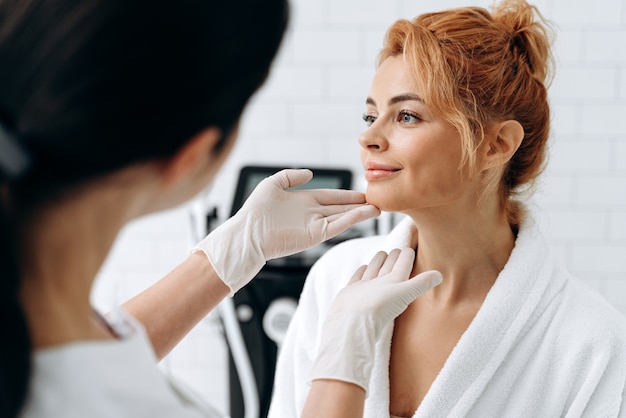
x=308, y=114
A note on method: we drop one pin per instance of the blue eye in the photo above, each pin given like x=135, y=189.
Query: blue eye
x=408, y=118
x=369, y=119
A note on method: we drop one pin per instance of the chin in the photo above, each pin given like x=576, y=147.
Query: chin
x=382, y=199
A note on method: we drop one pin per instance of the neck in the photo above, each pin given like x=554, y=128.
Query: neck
x=66, y=246
x=469, y=247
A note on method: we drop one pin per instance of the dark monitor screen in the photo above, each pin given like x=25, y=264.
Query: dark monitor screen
x=323, y=178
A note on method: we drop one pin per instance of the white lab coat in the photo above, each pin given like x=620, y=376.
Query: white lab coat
x=106, y=379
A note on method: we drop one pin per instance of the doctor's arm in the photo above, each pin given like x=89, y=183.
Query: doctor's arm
x=274, y=222
x=171, y=307
x=374, y=297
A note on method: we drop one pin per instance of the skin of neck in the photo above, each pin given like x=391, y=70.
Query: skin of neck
x=66, y=244
x=468, y=241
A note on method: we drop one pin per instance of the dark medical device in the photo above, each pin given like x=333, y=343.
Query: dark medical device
x=264, y=307
x=323, y=178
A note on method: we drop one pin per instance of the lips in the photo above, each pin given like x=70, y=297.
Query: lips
x=378, y=171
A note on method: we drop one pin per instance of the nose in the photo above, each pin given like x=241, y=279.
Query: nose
x=373, y=139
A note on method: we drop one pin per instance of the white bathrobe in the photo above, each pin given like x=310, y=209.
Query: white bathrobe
x=543, y=344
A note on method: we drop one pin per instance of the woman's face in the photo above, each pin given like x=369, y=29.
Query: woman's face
x=411, y=158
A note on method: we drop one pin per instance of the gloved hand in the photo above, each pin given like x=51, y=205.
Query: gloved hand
x=275, y=222
x=375, y=296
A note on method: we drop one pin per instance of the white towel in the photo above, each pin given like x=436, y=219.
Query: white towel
x=543, y=344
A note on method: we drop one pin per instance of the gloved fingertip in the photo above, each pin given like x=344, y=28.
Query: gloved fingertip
x=423, y=282
x=358, y=274
x=306, y=170
x=407, y=255
x=406, y=250
x=434, y=277
x=293, y=177
x=367, y=211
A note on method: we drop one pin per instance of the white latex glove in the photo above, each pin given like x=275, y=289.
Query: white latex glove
x=275, y=222
x=375, y=296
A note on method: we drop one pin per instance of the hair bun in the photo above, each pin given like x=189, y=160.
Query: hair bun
x=531, y=36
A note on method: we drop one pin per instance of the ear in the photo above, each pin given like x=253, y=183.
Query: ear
x=192, y=156
x=504, y=139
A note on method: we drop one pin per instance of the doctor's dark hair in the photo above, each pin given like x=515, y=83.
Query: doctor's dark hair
x=90, y=86
x=475, y=67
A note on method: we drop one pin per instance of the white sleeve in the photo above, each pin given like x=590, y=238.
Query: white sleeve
x=325, y=279
x=296, y=355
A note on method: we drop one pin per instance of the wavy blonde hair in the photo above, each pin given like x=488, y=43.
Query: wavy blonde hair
x=477, y=67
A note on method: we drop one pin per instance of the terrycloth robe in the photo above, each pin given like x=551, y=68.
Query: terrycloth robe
x=543, y=344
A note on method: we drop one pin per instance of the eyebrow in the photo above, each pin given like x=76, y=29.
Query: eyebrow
x=397, y=99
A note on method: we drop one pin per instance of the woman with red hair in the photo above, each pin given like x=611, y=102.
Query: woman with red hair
x=457, y=130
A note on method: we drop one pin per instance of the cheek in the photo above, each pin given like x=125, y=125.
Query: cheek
x=428, y=184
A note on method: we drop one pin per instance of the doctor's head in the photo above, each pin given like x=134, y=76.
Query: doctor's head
x=458, y=107
x=91, y=88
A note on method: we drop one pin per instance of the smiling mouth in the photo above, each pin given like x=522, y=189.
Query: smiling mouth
x=372, y=174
